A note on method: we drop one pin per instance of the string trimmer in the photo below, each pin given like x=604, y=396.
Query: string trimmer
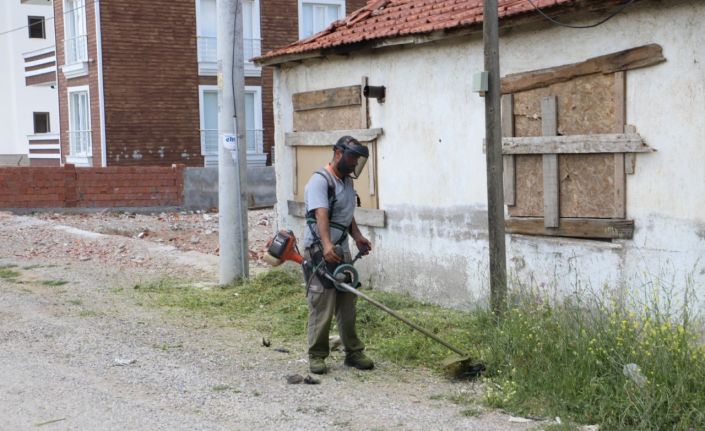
x=345, y=278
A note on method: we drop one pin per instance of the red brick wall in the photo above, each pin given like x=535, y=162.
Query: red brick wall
x=280, y=28
x=57, y=187
x=150, y=75
x=91, y=80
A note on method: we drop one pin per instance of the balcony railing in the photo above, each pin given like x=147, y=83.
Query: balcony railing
x=208, y=49
x=209, y=141
x=80, y=143
x=252, y=48
x=76, y=49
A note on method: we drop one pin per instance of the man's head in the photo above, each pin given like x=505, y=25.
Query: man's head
x=349, y=156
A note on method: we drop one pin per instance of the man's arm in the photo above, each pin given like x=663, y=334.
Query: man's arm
x=361, y=242
x=324, y=232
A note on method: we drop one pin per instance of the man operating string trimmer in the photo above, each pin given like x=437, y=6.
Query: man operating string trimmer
x=330, y=206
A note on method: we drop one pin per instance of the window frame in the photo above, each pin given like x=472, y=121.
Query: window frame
x=340, y=3
x=80, y=158
x=47, y=115
x=257, y=91
x=78, y=31
x=202, y=89
x=42, y=21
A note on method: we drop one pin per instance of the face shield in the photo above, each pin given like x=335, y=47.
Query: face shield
x=354, y=156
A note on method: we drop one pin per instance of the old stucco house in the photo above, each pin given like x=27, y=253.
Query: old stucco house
x=603, y=147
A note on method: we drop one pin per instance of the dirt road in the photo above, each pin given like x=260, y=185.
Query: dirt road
x=79, y=353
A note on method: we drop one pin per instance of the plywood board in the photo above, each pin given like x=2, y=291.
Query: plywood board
x=329, y=98
x=313, y=120
x=529, y=186
x=586, y=105
x=586, y=185
x=311, y=159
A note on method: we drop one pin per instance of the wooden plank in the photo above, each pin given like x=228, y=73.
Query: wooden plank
x=364, y=106
x=634, y=58
x=549, y=127
x=619, y=187
x=629, y=158
x=329, y=137
x=508, y=171
x=296, y=173
x=338, y=118
x=576, y=228
x=329, y=98
x=620, y=86
x=363, y=216
x=576, y=144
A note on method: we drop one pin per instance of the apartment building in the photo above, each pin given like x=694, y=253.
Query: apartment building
x=137, y=78
x=29, y=112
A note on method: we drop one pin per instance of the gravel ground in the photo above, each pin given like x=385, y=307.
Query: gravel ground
x=86, y=355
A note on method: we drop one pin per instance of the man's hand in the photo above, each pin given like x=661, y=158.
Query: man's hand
x=363, y=245
x=330, y=255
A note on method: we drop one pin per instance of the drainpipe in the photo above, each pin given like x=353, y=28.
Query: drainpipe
x=101, y=100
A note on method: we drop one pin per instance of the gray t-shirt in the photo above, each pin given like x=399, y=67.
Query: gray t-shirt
x=316, y=196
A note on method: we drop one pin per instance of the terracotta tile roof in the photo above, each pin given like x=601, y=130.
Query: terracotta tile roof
x=381, y=19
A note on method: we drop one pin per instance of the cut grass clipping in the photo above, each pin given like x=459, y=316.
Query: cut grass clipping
x=7, y=273
x=595, y=363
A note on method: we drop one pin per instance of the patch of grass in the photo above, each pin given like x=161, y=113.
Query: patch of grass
x=167, y=346
x=75, y=302
x=220, y=388
x=7, y=273
x=54, y=282
x=543, y=359
x=87, y=313
x=569, y=359
x=473, y=411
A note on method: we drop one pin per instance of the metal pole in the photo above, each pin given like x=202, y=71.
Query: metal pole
x=394, y=314
x=232, y=148
x=495, y=188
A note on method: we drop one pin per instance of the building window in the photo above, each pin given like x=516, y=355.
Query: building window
x=75, y=36
x=41, y=122
x=207, y=37
x=79, y=122
x=35, y=24
x=253, y=119
x=317, y=15
x=252, y=41
x=208, y=101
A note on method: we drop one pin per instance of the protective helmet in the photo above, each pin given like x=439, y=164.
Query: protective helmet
x=352, y=150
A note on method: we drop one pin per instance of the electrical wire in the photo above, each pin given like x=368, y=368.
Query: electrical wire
x=45, y=19
x=602, y=21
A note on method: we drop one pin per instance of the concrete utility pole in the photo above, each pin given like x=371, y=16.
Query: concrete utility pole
x=495, y=188
x=232, y=147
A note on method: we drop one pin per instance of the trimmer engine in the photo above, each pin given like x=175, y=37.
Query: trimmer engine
x=282, y=248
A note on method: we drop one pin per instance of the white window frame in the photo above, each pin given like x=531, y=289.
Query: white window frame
x=340, y=3
x=201, y=113
x=80, y=66
x=210, y=68
x=80, y=159
x=250, y=68
x=257, y=90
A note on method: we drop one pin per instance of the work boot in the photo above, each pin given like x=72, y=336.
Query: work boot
x=359, y=360
x=317, y=365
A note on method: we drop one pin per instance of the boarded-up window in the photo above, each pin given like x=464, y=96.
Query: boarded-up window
x=321, y=117
x=565, y=147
